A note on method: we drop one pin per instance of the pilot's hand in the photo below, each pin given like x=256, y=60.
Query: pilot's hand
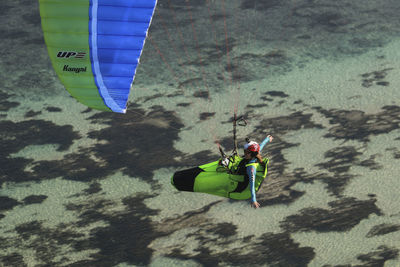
x=255, y=205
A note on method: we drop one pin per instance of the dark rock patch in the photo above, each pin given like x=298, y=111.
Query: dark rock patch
x=223, y=230
x=45, y=242
x=89, y=212
x=249, y=66
x=279, y=103
x=382, y=83
x=32, y=113
x=214, y=54
x=375, y=77
x=342, y=158
x=7, y=203
x=383, y=229
x=7, y=105
x=77, y=166
x=184, y=4
x=364, y=42
x=217, y=17
x=34, y=199
x=175, y=94
x=206, y=115
x=37, y=80
x=217, y=233
x=93, y=188
x=264, y=98
x=14, y=169
x=304, y=36
x=54, y=109
x=276, y=94
x=370, y=163
x=4, y=8
x=343, y=216
x=18, y=135
x=249, y=106
x=3, y=243
x=13, y=259
x=202, y=94
x=281, y=125
x=127, y=237
x=323, y=16
x=35, y=41
x=129, y=135
x=120, y=149
x=271, y=249
x=277, y=57
x=378, y=257
x=260, y=5
x=26, y=230
x=150, y=98
x=335, y=183
x=395, y=152
x=32, y=18
x=331, y=20
x=192, y=83
x=88, y=110
x=356, y=125
x=183, y=104
x=239, y=76
x=13, y=34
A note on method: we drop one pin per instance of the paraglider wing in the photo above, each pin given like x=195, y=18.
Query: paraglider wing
x=95, y=46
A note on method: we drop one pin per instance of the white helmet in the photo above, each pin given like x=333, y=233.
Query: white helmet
x=252, y=146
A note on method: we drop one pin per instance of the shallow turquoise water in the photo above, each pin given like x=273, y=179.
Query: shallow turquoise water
x=85, y=188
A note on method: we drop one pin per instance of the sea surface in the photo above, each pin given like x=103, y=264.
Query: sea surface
x=80, y=187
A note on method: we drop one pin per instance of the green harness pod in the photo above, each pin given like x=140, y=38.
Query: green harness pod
x=215, y=179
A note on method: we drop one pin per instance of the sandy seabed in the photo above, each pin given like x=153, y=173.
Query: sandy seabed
x=80, y=187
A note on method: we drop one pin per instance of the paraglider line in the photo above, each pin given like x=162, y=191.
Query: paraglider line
x=163, y=58
x=202, y=67
x=171, y=43
x=178, y=30
x=215, y=38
